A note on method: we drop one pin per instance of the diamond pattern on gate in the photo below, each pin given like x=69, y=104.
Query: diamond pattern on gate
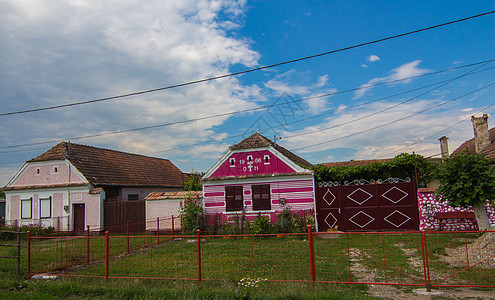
x=360, y=193
x=366, y=216
x=334, y=222
x=332, y=196
x=402, y=217
x=395, y=193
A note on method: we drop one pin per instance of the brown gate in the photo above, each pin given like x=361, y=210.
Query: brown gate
x=117, y=213
x=388, y=205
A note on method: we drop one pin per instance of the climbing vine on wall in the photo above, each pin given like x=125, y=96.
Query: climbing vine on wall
x=402, y=166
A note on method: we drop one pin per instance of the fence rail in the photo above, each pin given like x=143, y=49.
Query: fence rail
x=429, y=259
x=18, y=246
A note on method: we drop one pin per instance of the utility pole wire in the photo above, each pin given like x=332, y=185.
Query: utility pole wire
x=261, y=108
x=395, y=121
x=248, y=70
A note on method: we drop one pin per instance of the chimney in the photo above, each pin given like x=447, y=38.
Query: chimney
x=444, y=147
x=481, y=135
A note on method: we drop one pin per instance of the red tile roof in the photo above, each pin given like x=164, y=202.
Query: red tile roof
x=174, y=195
x=259, y=141
x=33, y=187
x=468, y=145
x=109, y=167
x=354, y=163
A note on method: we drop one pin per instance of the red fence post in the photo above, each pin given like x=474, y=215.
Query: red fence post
x=426, y=269
x=127, y=226
x=467, y=258
x=158, y=229
x=87, y=245
x=311, y=255
x=173, y=229
x=28, y=255
x=199, y=254
x=107, y=253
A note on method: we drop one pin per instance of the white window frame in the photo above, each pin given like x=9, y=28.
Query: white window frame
x=232, y=162
x=24, y=208
x=266, y=159
x=45, y=213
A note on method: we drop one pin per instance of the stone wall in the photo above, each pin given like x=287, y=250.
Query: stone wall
x=428, y=207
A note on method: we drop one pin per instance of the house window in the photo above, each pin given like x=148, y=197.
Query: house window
x=26, y=208
x=45, y=208
x=232, y=162
x=55, y=170
x=233, y=198
x=37, y=171
x=261, y=197
x=267, y=159
x=250, y=158
x=132, y=197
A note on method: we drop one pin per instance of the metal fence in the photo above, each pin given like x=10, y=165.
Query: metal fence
x=430, y=259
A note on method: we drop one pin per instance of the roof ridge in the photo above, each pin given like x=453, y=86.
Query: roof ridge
x=119, y=151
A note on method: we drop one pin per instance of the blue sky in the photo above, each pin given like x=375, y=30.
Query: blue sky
x=59, y=52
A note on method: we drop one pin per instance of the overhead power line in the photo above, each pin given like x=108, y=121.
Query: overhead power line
x=436, y=134
x=436, y=84
x=395, y=121
x=248, y=70
x=391, y=107
x=263, y=108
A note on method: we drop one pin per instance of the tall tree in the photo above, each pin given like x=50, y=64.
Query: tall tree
x=468, y=180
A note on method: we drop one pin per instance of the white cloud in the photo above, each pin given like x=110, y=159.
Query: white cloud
x=350, y=129
x=402, y=72
x=373, y=58
x=296, y=84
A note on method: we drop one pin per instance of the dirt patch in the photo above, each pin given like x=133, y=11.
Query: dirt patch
x=364, y=274
x=481, y=251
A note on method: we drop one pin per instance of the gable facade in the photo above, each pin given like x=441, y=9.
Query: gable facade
x=256, y=177
x=67, y=186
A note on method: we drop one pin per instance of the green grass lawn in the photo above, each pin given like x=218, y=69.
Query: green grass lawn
x=282, y=260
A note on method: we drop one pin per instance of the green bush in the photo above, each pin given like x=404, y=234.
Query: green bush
x=192, y=217
x=261, y=225
x=32, y=228
x=293, y=222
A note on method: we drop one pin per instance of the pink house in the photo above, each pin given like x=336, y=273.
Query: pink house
x=257, y=176
x=70, y=185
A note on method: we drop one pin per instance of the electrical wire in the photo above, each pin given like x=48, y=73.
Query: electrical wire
x=248, y=70
x=252, y=109
x=436, y=134
x=389, y=108
x=395, y=121
x=313, y=117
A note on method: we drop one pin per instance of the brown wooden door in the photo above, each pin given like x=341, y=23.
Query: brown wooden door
x=79, y=217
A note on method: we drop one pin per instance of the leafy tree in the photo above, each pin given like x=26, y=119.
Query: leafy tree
x=468, y=180
x=194, y=183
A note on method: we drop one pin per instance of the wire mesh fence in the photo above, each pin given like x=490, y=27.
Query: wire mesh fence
x=394, y=258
